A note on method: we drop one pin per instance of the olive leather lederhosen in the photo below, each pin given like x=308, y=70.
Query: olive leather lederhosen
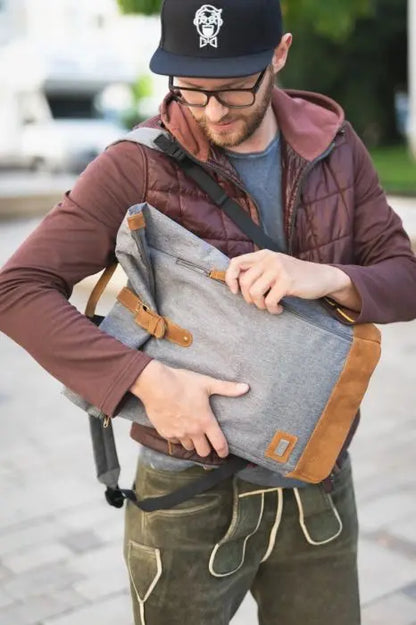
x=294, y=549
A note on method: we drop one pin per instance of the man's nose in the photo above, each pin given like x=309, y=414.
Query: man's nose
x=215, y=111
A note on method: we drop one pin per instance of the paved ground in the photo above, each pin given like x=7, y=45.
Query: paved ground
x=60, y=544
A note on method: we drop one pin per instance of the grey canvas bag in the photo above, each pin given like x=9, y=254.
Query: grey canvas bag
x=307, y=372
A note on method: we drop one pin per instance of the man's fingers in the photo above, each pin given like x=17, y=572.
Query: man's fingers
x=228, y=389
x=187, y=444
x=231, y=279
x=217, y=439
x=201, y=445
x=236, y=266
x=273, y=298
x=260, y=288
x=247, y=279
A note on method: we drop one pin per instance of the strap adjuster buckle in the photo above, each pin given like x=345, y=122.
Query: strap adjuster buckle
x=171, y=148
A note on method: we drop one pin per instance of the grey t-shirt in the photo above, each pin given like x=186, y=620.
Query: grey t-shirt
x=261, y=175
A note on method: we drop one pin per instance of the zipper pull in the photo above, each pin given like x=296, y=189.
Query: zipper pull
x=106, y=422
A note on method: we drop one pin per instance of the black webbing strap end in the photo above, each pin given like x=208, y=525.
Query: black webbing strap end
x=171, y=148
x=114, y=497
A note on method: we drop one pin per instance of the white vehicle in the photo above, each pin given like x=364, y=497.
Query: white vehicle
x=47, y=135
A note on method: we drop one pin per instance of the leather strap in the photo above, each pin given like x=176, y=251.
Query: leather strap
x=99, y=289
x=156, y=325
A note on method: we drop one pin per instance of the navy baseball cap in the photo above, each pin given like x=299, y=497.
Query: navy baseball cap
x=222, y=40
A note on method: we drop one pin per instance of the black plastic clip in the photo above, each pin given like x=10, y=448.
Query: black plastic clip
x=171, y=148
x=114, y=497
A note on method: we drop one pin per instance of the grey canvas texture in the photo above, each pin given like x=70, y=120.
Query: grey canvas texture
x=291, y=361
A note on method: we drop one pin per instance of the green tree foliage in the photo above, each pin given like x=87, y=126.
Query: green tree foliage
x=333, y=18
x=147, y=7
x=362, y=73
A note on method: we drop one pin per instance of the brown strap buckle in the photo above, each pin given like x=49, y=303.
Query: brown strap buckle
x=150, y=320
x=158, y=326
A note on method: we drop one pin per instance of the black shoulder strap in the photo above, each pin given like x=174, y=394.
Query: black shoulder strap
x=116, y=496
x=217, y=194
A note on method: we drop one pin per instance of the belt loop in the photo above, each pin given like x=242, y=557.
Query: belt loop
x=328, y=484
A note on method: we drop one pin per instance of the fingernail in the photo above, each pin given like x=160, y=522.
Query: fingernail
x=243, y=387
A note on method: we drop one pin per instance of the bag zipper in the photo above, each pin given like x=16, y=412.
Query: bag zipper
x=305, y=319
x=193, y=266
x=199, y=269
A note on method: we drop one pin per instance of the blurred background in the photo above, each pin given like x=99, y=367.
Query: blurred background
x=73, y=78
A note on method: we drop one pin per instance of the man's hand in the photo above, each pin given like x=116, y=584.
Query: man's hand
x=177, y=404
x=266, y=277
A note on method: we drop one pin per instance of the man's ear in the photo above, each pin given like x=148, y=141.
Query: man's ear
x=281, y=53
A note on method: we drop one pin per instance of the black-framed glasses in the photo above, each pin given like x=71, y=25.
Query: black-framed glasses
x=231, y=98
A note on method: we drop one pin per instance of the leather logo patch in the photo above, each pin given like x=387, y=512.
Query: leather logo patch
x=281, y=447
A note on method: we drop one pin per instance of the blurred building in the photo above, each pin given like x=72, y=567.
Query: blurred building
x=66, y=60
x=74, y=41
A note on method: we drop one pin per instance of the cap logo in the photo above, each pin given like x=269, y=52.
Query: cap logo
x=208, y=22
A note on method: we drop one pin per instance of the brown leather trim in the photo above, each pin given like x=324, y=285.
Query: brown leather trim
x=149, y=320
x=176, y=334
x=367, y=332
x=215, y=274
x=271, y=451
x=99, y=289
x=136, y=222
x=149, y=437
x=321, y=452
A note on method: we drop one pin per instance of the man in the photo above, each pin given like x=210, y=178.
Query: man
x=296, y=166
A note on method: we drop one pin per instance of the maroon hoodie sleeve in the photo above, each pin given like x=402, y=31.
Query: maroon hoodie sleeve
x=385, y=269
x=76, y=239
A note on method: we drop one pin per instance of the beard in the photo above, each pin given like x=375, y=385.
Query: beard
x=246, y=125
